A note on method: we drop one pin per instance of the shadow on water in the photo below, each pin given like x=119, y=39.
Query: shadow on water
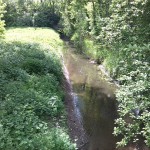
x=94, y=102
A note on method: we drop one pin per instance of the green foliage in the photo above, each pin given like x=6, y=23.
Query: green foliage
x=2, y=24
x=111, y=59
x=114, y=32
x=134, y=94
x=45, y=37
x=30, y=89
x=74, y=22
x=55, y=139
x=46, y=17
x=31, y=60
x=32, y=13
x=90, y=49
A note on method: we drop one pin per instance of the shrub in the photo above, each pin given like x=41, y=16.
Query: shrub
x=55, y=139
x=133, y=96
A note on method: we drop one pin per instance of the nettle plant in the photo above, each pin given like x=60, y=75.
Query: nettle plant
x=133, y=96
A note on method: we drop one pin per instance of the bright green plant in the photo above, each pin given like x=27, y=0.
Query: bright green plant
x=55, y=139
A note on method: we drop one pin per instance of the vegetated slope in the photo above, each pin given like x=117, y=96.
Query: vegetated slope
x=30, y=91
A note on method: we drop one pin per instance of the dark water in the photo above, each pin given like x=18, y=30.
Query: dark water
x=94, y=101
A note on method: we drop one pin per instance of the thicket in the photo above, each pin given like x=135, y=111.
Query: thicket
x=32, y=13
x=117, y=34
x=30, y=90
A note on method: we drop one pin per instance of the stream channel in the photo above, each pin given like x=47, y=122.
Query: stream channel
x=93, y=103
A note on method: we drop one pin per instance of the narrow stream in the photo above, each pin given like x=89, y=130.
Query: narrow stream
x=94, y=100
x=94, y=104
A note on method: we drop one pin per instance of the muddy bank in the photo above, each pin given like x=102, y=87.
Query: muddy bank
x=76, y=130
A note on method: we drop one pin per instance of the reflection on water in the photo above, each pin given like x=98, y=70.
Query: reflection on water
x=96, y=101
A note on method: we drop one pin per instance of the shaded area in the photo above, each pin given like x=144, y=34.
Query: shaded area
x=98, y=113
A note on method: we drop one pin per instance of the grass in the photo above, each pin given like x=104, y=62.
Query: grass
x=46, y=37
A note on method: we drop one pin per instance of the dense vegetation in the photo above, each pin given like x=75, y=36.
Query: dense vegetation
x=2, y=6
x=32, y=13
x=116, y=33
x=30, y=92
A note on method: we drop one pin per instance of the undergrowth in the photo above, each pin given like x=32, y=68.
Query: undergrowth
x=30, y=90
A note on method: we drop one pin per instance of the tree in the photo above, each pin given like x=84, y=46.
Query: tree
x=43, y=13
x=2, y=23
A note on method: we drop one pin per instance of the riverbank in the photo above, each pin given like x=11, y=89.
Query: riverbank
x=93, y=56
x=32, y=113
x=76, y=130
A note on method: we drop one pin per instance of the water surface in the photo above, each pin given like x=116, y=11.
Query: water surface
x=94, y=103
x=94, y=99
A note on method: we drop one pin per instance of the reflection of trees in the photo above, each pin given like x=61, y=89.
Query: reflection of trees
x=97, y=108
x=98, y=105
x=98, y=115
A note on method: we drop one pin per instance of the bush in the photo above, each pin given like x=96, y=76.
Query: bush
x=30, y=59
x=45, y=17
x=133, y=96
x=55, y=139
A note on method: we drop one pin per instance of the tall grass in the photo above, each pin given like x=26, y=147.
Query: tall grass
x=46, y=37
